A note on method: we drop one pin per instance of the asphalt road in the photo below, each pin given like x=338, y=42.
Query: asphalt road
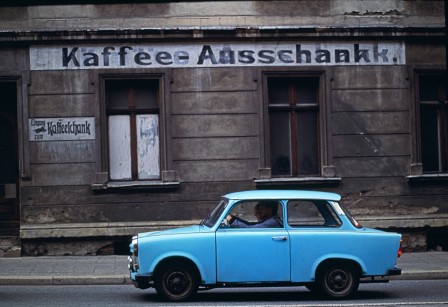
x=396, y=293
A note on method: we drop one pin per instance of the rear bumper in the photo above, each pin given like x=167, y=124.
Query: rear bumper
x=381, y=278
x=395, y=271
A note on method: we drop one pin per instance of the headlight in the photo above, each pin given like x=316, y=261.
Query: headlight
x=133, y=259
x=134, y=246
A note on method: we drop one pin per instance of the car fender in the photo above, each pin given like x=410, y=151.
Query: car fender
x=207, y=276
x=336, y=257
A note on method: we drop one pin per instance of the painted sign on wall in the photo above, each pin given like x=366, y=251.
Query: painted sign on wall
x=62, y=129
x=216, y=55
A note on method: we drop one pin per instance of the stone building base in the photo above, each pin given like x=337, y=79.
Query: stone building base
x=414, y=240
x=10, y=247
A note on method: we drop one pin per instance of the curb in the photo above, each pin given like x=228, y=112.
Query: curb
x=52, y=280
x=65, y=280
x=421, y=275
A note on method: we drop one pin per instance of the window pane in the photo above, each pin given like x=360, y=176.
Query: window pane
x=304, y=213
x=146, y=93
x=306, y=91
x=245, y=210
x=120, y=147
x=430, y=139
x=332, y=219
x=124, y=94
x=278, y=91
x=307, y=149
x=117, y=94
x=250, y=214
x=429, y=87
x=148, y=146
x=280, y=143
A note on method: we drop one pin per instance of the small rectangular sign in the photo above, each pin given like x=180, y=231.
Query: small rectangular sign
x=62, y=129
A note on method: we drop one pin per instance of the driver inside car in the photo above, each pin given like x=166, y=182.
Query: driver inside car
x=266, y=214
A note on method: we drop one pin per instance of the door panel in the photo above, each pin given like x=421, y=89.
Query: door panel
x=252, y=255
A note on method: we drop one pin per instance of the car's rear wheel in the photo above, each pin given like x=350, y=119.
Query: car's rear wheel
x=338, y=281
x=176, y=282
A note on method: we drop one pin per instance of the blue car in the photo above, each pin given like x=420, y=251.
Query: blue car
x=266, y=238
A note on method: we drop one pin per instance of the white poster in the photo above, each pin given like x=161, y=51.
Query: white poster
x=148, y=146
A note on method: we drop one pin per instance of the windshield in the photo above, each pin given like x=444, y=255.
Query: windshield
x=213, y=217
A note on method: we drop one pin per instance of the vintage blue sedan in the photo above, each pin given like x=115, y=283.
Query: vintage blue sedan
x=266, y=238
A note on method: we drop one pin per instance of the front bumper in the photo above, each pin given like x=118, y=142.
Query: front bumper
x=141, y=281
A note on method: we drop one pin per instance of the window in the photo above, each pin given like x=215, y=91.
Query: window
x=433, y=111
x=294, y=125
x=249, y=213
x=132, y=108
x=306, y=213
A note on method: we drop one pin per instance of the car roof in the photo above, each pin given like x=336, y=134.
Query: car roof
x=283, y=194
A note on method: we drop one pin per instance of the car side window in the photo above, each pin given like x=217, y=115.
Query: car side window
x=308, y=213
x=245, y=210
x=248, y=212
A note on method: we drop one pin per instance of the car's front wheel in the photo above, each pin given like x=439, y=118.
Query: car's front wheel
x=177, y=282
x=338, y=281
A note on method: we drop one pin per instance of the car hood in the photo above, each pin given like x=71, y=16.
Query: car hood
x=183, y=230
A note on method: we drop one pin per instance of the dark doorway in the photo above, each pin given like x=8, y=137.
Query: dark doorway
x=9, y=166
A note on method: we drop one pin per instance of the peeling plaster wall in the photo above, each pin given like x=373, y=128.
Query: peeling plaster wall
x=225, y=14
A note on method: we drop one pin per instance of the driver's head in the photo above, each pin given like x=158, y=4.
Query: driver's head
x=266, y=209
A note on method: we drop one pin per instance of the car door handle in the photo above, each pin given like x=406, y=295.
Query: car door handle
x=280, y=238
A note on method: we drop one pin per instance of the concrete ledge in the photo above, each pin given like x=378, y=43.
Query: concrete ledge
x=82, y=230
x=404, y=221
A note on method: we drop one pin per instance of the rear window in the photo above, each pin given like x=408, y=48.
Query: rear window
x=347, y=213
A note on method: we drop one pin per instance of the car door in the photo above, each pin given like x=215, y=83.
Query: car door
x=252, y=254
x=313, y=229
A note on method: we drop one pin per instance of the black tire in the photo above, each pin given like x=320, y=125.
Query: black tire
x=338, y=281
x=176, y=282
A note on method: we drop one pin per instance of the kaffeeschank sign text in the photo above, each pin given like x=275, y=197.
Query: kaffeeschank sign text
x=62, y=129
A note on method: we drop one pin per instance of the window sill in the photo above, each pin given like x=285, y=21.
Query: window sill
x=427, y=178
x=135, y=185
x=298, y=181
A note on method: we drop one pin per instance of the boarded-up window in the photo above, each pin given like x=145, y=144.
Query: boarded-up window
x=433, y=123
x=133, y=129
x=293, y=125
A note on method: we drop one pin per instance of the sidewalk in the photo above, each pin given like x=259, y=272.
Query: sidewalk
x=99, y=270
x=68, y=270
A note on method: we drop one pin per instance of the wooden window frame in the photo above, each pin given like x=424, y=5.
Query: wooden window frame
x=327, y=176
x=133, y=111
x=416, y=174
x=101, y=181
x=293, y=109
x=442, y=108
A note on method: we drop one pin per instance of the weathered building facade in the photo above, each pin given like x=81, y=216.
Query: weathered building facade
x=118, y=118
